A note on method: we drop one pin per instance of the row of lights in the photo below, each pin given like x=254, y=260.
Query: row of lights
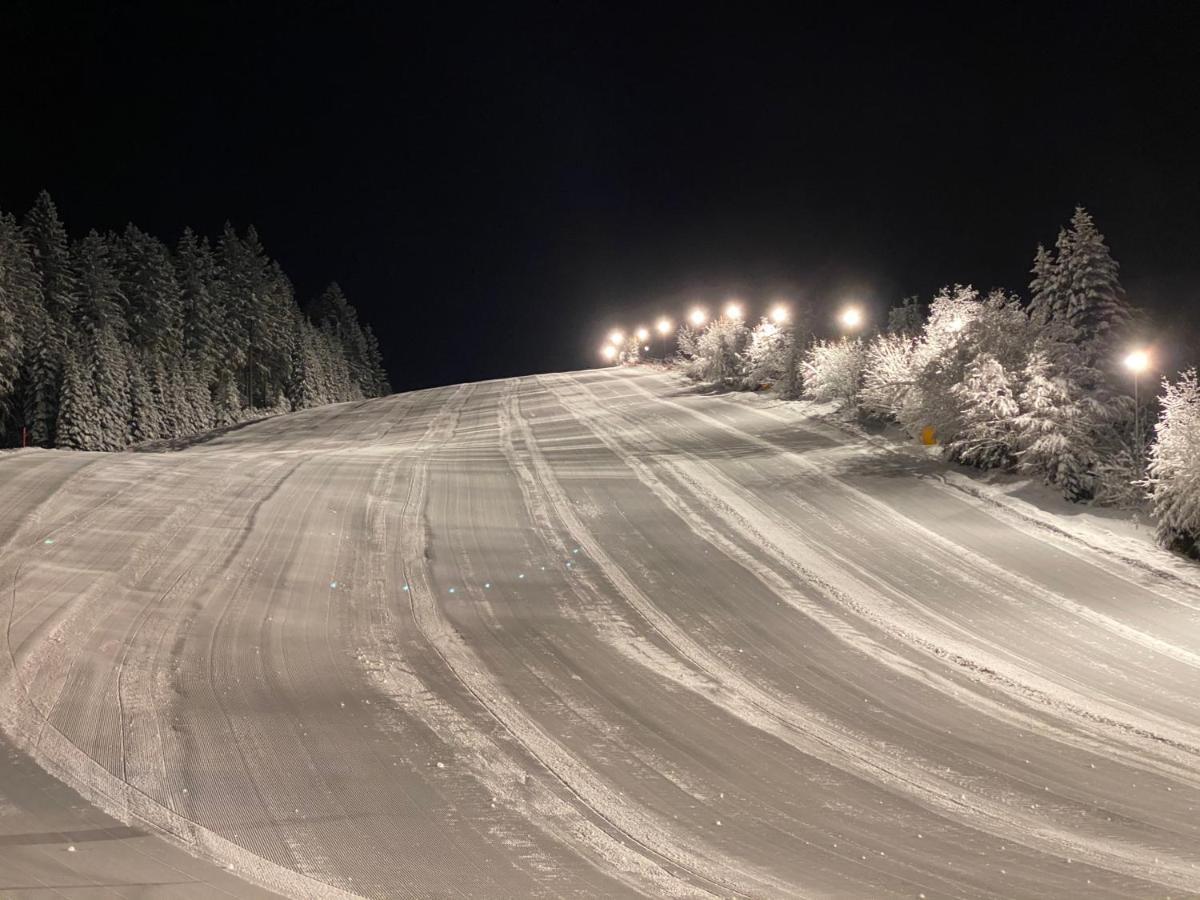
x=851, y=318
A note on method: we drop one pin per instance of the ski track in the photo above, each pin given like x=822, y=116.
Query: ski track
x=583, y=635
x=1005, y=820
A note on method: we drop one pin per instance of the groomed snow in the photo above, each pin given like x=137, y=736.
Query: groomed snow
x=593, y=634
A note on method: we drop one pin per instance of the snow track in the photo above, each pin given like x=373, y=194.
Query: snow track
x=580, y=635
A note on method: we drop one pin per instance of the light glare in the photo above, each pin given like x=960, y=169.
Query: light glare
x=779, y=314
x=698, y=316
x=1137, y=361
x=852, y=317
x=664, y=325
x=733, y=311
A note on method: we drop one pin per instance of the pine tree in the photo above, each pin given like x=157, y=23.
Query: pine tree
x=145, y=416
x=99, y=302
x=1057, y=429
x=1043, y=288
x=110, y=377
x=1096, y=306
x=20, y=303
x=51, y=327
x=196, y=275
x=79, y=426
x=1174, y=471
x=988, y=436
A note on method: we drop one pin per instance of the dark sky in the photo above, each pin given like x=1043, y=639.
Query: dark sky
x=494, y=189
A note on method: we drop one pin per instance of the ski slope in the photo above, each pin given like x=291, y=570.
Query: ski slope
x=579, y=635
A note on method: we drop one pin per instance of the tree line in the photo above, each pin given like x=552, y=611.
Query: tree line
x=115, y=339
x=1035, y=385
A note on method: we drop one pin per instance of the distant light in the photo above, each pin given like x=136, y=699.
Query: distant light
x=1137, y=361
x=48, y=541
x=698, y=317
x=522, y=575
x=664, y=325
x=405, y=588
x=646, y=348
x=333, y=584
x=616, y=336
x=733, y=311
x=452, y=590
x=609, y=352
x=487, y=584
x=957, y=324
x=851, y=317
x=779, y=314
x=642, y=334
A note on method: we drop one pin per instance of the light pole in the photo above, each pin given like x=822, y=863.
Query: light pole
x=1138, y=362
x=663, y=326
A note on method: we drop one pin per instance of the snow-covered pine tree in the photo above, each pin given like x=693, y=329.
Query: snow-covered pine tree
x=152, y=292
x=51, y=330
x=99, y=302
x=380, y=386
x=145, y=421
x=988, y=436
x=20, y=301
x=110, y=377
x=79, y=422
x=1057, y=427
x=195, y=273
x=1043, y=287
x=1096, y=305
x=1174, y=470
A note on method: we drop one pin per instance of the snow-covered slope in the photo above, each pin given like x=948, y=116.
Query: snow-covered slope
x=588, y=634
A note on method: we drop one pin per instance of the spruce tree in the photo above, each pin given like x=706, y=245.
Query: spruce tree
x=79, y=426
x=20, y=305
x=110, y=376
x=1096, y=306
x=988, y=435
x=1043, y=288
x=1057, y=428
x=51, y=329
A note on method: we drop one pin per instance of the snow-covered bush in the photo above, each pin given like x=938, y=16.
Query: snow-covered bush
x=958, y=375
x=718, y=353
x=888, y=376
x=1174, y=470
x=767, y=352
x=833, y=370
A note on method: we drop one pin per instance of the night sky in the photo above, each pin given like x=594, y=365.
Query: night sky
x=495, y=189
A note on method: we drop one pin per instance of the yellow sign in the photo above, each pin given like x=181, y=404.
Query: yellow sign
x=928, y=438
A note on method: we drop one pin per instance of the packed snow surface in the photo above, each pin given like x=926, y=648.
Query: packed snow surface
x=582, y=635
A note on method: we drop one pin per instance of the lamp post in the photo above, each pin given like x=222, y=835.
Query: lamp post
x=663, y=326
x=733, y=310
x=1137, y=362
